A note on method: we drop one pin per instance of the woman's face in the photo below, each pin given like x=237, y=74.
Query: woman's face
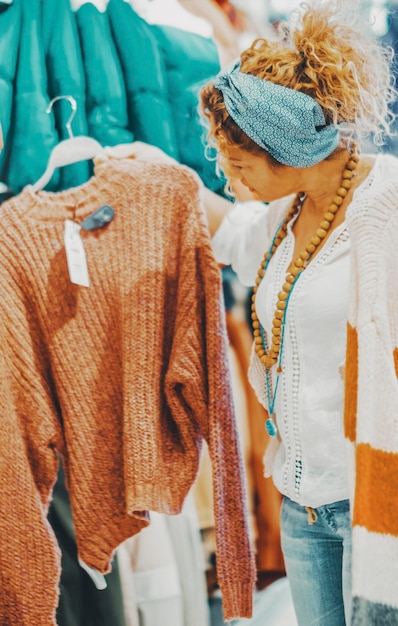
x=267, y=183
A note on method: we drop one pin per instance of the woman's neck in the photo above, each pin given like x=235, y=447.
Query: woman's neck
x=321, y=182
x=320, y=187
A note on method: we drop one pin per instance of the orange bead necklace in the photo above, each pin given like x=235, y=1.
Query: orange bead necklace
x=272, y=355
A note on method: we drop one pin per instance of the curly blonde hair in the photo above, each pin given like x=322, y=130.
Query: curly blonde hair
x=327, y=53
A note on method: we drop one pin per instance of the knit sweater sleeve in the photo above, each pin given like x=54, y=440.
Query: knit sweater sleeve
x=29, y=362
x=200, y=365
x=371, y=404
x=29, y=554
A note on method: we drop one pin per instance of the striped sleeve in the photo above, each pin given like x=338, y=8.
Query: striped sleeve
x=371, y=406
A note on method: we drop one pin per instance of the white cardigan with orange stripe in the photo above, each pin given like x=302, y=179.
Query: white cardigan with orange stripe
x=371, y=382
x=371, y=398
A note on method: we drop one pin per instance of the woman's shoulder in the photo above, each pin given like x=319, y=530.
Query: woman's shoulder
x=385, y=170
x=377, y=197
x=245, y=234
x=381, y=178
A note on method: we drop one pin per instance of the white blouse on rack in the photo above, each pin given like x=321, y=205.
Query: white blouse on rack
x=308, y=462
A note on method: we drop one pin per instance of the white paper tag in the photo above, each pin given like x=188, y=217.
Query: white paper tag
x=98, y=579
x=75, y=254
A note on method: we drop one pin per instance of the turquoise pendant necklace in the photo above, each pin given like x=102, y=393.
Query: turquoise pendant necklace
x=271, y=355
x=270, y=424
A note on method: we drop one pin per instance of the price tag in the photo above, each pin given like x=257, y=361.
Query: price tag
x=75, y=254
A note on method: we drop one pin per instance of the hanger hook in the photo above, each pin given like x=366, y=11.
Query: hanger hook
x=73, y=105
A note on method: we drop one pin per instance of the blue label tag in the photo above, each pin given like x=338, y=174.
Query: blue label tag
x=100, y=218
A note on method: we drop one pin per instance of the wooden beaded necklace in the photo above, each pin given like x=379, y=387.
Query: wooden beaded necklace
x=272, y=355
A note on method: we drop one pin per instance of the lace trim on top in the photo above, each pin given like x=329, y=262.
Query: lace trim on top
x=289, y=421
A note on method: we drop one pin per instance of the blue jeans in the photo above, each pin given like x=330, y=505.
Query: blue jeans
x=318, y=561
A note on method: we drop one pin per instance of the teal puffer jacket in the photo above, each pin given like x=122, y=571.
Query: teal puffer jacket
x=131, y=81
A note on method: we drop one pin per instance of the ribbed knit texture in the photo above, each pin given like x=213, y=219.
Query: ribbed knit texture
x=124, y=378
x=371, y=406
x=29, y=556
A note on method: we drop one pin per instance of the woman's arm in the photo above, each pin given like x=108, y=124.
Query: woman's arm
x=216, y=208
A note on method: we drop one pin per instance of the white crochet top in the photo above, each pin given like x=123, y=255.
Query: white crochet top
x=308, y=460
x=353, y=279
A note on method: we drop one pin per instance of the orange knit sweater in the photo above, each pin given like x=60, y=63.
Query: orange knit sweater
x=29, y=557
x=123, y=378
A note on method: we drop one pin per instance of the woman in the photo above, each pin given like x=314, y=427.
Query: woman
x=320, y=249
x=283, y=119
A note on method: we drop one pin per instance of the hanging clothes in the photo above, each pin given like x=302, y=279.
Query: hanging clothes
x=149, y=572
x=80, y=602
x=33, y=131
x=130, y=79
x=188, y=549
x=29, y=557
x=106, y=93
x=143, y=68
x=126, y=377
x=162, y=572
x=65, y=76
x=184, y=80
x=10, y=28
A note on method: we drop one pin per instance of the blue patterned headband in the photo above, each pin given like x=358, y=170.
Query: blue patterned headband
x=289, y=124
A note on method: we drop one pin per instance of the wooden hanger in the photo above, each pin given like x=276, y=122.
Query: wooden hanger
x=68, y=151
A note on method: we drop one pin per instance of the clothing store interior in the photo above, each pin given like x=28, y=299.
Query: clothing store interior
x=81, y=545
